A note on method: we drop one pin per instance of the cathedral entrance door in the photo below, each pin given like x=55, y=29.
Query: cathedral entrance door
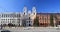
x=28, y=23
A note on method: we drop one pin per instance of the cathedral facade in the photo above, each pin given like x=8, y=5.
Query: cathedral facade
x=25, y=18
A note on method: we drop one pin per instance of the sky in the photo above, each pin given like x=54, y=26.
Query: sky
x=45, y=6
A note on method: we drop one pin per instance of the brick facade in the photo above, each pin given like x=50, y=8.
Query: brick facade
x=44, y=18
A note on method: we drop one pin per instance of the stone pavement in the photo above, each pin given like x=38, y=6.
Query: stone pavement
x=33, y=29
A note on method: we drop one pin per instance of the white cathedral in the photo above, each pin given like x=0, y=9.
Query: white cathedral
x=25, y=18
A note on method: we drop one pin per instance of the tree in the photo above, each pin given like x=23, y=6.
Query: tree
x=36, y=22
x=51, y=20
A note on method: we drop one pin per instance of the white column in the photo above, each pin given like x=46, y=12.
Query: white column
x=20, y=22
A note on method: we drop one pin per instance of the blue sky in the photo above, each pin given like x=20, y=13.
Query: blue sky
x=41, y=5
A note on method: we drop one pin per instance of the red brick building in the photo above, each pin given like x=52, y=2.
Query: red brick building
x=44, y=19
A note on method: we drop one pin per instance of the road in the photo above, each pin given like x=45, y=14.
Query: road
x=33, y=29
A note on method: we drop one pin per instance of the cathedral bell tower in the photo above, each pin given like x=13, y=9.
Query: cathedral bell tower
x=25, y=10
x=33, y=10
x=33, y=13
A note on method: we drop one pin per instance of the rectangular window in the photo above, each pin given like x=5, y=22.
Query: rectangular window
x=2, y=15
